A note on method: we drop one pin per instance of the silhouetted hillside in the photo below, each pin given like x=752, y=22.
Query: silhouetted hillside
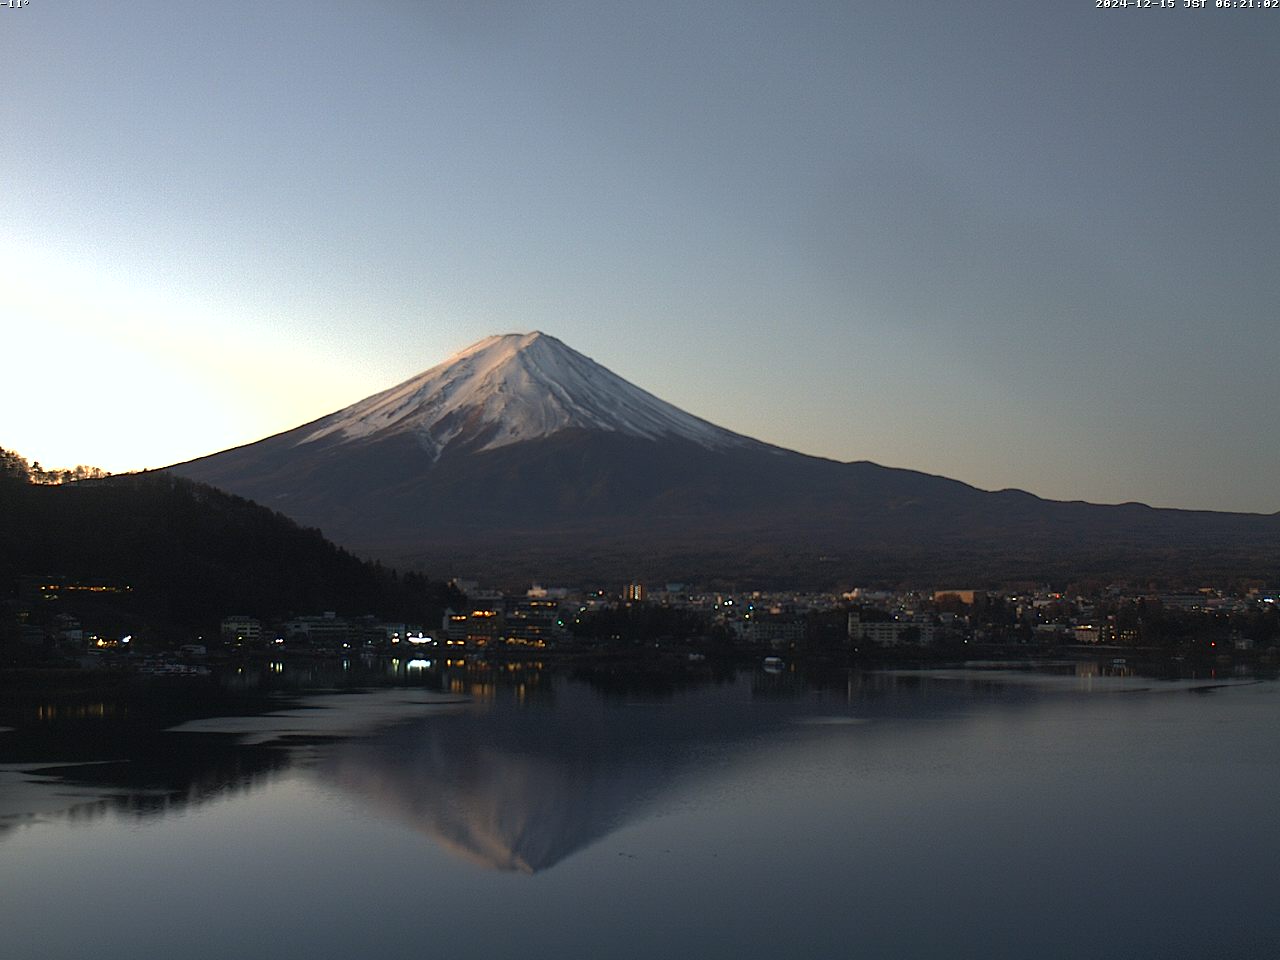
x=192, y=554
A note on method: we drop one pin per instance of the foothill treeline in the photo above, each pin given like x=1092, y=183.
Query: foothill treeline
x=16, y=466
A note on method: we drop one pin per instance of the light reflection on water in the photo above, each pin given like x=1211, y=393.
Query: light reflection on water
x=935, y=814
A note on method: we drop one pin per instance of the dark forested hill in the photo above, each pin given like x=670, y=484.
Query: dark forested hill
x=191, y=554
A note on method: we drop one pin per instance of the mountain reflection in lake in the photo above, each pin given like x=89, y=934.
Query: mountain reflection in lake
x=932, y=814
x=521, y=787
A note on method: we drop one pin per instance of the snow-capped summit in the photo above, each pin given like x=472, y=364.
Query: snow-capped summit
x=515, y=387
x=522, y=458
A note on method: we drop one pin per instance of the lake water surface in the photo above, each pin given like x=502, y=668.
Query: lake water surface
x=957, y=813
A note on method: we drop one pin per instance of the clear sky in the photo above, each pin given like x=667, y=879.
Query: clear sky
x=1022, y=244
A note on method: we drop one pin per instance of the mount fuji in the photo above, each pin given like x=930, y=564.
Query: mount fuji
x=521, y=458
x=514, y=388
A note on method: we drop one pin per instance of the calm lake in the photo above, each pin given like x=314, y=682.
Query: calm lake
x=490, y=813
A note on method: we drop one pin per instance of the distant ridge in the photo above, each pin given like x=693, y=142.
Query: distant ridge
x=521, y=458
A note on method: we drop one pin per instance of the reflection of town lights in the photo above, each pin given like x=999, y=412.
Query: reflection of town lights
x=418, y=665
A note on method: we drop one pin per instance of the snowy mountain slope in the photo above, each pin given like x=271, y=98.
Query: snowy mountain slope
x=522, y=457
x=512, y=388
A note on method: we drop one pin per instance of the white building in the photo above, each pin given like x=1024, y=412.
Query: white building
x=892, y=633
x=241, y=629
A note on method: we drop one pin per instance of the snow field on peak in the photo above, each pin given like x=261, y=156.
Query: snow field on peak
x=518, y=387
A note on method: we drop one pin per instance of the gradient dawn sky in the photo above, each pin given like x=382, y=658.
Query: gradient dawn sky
x=1022, y=244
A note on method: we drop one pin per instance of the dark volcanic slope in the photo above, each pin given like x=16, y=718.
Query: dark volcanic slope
x=582, y=502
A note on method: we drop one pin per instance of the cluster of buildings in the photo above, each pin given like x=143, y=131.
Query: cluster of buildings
x=1116, y=616
x=859, y=619
x=543, y=617
x=490, y=619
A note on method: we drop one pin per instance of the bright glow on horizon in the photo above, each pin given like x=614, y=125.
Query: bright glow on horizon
x=126, y=379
